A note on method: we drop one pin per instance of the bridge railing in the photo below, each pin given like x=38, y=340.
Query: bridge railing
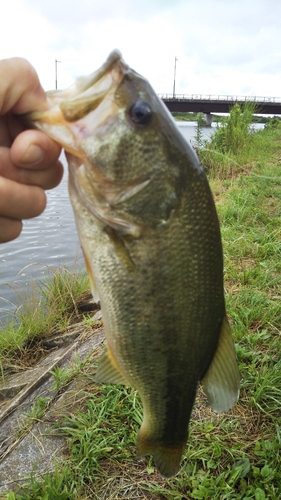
x=214, y=97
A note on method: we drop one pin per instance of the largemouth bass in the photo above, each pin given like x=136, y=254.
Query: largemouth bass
x=150, y=235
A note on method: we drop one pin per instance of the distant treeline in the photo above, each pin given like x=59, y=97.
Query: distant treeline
x=192, y=117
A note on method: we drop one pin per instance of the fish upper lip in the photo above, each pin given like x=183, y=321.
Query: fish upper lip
x=97, y=83
x=114, y=60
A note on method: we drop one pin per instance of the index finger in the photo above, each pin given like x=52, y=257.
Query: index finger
x=20, y=87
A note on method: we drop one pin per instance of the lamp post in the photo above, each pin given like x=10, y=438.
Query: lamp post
x=56, y=72
x=174, y=88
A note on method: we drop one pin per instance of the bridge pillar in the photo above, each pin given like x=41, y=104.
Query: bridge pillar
x=208, y=117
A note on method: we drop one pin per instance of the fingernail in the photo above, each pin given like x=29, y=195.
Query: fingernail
x=33, y=155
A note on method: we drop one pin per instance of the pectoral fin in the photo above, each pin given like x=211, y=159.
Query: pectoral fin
x=94, y=289
x=221, y=382
x=108, y=372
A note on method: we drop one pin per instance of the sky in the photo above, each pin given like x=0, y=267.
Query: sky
x=223, y=47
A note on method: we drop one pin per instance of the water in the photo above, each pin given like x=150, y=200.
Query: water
x=50, y=239
x=188, y=130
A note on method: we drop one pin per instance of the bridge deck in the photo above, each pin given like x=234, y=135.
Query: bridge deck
x=199, y=103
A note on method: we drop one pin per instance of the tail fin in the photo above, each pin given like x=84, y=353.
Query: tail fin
x=166, y=457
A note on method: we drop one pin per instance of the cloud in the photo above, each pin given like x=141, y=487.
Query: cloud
x=67, y=13
x=221, y=46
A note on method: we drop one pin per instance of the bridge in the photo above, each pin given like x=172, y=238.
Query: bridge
x=203, y=103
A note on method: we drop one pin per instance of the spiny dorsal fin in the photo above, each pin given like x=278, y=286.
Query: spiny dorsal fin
x=221, y=382
x=108, y=372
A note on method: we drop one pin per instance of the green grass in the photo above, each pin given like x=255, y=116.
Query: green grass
x=228, y=155
x=43, y=306
x=231, y=456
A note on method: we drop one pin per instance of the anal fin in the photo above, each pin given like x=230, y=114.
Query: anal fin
x=222, y=381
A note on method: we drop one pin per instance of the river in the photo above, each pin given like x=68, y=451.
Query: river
x=50, y=240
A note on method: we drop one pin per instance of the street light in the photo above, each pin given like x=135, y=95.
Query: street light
x=174, y=89
x=56, y=72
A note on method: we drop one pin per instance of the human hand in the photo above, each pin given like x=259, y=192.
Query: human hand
x=28, y=158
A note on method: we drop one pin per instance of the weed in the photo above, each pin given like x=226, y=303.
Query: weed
x=199, y=133
x=30, y=418
x=43, y=306
x=62, y=376
x=235, y=131
x=48, y=487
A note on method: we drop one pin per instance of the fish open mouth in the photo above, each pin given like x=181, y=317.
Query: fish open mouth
x=88, y=91
x=69, y=106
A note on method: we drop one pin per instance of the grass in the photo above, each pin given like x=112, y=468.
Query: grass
x=231, y=456
x=43, y=307
x=236, y=150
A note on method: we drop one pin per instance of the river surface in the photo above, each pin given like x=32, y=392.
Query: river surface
x=50, y=240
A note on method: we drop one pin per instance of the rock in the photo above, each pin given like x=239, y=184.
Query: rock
x=28, y=443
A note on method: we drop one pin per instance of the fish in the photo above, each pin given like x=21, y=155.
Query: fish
x=150, y=236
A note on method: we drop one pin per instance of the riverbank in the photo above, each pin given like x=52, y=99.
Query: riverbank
x=230, y=456
x=192, y=117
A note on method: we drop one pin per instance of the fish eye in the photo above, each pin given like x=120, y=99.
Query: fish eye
x=141, y=113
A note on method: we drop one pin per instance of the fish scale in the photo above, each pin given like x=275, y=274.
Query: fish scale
x=150, y=235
